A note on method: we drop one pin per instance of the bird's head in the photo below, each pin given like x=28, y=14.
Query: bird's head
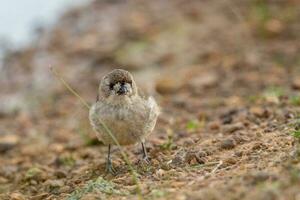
x=117, y=85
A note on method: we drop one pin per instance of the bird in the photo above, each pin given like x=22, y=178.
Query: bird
x=121, y=109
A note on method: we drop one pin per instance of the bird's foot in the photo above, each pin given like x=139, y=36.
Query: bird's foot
x=110, y=169
x=145, y=160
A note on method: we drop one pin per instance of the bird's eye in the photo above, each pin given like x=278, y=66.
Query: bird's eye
x=111, y=86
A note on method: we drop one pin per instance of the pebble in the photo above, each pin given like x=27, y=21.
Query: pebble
x=238, y=153
x=188, y=142
x=193, y=157
x=160, y=173
x=205, y=81
x=230, y=161
x=35, y=174
x=60, y=174
x=53, y=184
x=239, y=138
x=227, y=120
x=8, y=142
x=259, y=112
x=178, y=160
x=168, y=86
x=228, y=144
x=202, y=154
x=296, y=84
x=232, y=128
x=214, y=125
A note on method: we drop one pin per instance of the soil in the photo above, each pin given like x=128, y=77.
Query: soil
x=225, y=74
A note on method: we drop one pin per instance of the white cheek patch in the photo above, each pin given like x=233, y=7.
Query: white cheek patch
x=128, y=87
x=117, y=87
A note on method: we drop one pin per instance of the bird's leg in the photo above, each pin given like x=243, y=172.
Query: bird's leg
x=145, y=155
x=109, y=166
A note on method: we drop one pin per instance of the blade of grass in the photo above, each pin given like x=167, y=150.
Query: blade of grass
x=69, y=88
x=108, y=131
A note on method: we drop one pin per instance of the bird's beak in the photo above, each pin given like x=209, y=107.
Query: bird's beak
x=122, y=90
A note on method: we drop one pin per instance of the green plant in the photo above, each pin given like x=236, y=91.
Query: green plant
x=296, y=134
x=169, y=143
x=192, y=125
x=32, y=173
x=98, y=185
x=67, y=160
x=295, y=100
x=274, y=91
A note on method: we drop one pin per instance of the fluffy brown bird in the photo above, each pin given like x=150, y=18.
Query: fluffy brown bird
x=129, y=116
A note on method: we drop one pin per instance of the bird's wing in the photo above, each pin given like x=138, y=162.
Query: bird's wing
x=153, y=112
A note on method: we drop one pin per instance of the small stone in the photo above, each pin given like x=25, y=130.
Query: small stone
x=238, y=153
x=228, y=144
x=193, y=161
x=160, y=173
x=165, y=166
x=178, y=160
x=35, y=174
x=65, y=189
x=227, y=120
x=201, y=160
x=274, y=26
x=239, y=138
x=201, y=154
x=230, y=161
x=205, y=81
x=214, y=125
x=296, y=84
x=52, y=185
x=7, y=142
x=60, y=174
x=189, y=157
x=195, y=157
x=259, y=112
x=232, y=128
x=258, y=145
x=188, y=142
x=168, y=86
x=227, y=117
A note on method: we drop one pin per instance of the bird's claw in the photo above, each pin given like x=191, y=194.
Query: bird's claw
x=110, y=169
x=146, y=160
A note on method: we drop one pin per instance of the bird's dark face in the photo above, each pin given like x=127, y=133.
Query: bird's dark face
x=118, y=83
x=120, y=87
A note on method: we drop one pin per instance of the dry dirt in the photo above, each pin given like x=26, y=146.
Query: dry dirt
x=226, y=75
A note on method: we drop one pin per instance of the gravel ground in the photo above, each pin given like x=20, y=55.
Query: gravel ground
x=225, y=74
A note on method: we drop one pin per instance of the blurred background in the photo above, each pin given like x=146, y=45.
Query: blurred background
x=203, y=60
x=20, y=19
x=93, y=37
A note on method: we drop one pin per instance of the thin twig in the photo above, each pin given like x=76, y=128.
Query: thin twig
x=217, y=167
x=69, y=88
